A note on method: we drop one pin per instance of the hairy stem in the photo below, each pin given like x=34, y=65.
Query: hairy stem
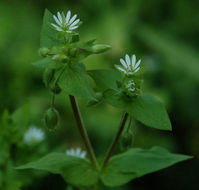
x=115, y=140
x=83, y=131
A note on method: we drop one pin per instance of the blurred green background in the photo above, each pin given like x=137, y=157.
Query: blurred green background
x=163, y=33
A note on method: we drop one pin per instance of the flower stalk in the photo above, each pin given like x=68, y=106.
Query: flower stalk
x=115, y=140
x=83, y=131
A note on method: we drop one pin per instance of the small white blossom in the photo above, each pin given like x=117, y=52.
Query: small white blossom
x=130, y=86
x=65, y=23
x=33, y=135
x=129, y=66
x=76, y=152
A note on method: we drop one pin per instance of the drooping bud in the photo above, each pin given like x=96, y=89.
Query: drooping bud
x=126, y=141
x=100, y=48
x=51, y=118
x=55, y=88
x=48, y=76
x=44, y=51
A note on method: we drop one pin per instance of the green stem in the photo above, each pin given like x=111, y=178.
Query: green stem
x=56, y=81
x=115, y=140
x=83, y=131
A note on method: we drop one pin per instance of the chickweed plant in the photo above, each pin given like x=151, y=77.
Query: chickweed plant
x=62, y=54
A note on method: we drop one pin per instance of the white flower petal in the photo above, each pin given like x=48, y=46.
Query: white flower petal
x=78, y=151
x=133, y=61
x=74, y=23
x=128, y=61
x=73, y=27
x=137, y=70
x=131, y=89
x=130, y=73
x=72, y=19
x=56, y=27
x=83, y=154
x=120, y=69
x=68, y=31
x=56, y=20
x=123, y=63
x=59, y=17
x=137, y=64
x=68, y=15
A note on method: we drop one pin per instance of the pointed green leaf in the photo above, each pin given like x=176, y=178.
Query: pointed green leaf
x=145, y=108
x=74, y=170
x=75, y=81
x=137, y=162
x=53, y=163
x=48, y=34
x=47, y=62
x=105, y=78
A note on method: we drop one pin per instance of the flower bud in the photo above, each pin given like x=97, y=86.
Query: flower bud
x=44, y=51
x=55, y=88
x=100, y=48
x=73, y=52
x=60, y=58
x=48, y=76
x=51, y=118
x=126, y=141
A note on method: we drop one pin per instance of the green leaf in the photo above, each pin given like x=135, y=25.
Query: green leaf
x=145, y=108
x=75, y=81
x=48, y=34
x=74, y=170
x=80, y=173
x=47, y=62
x=53, y=163
x=137, y=162
x=105, y=78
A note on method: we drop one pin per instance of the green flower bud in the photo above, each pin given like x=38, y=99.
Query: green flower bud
x=55, y=88
x=73, y=52
x=44, y=51
x=48, y=76
x=60, y=58
x=126, y=141
x=100, y=48
x=51, y=118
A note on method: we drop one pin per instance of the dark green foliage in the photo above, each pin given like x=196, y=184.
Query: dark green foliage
x=137, y=162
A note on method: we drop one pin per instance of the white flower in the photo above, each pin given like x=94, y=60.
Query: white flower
x=130, y=86
x=65, y=23
x=33, y=135
x=129, y=66
x=76, y=152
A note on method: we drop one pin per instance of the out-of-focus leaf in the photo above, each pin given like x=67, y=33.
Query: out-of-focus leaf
x=75, y=81
x=145, y=108
x=105, y=78
x=137, y=162
x=178, y=53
